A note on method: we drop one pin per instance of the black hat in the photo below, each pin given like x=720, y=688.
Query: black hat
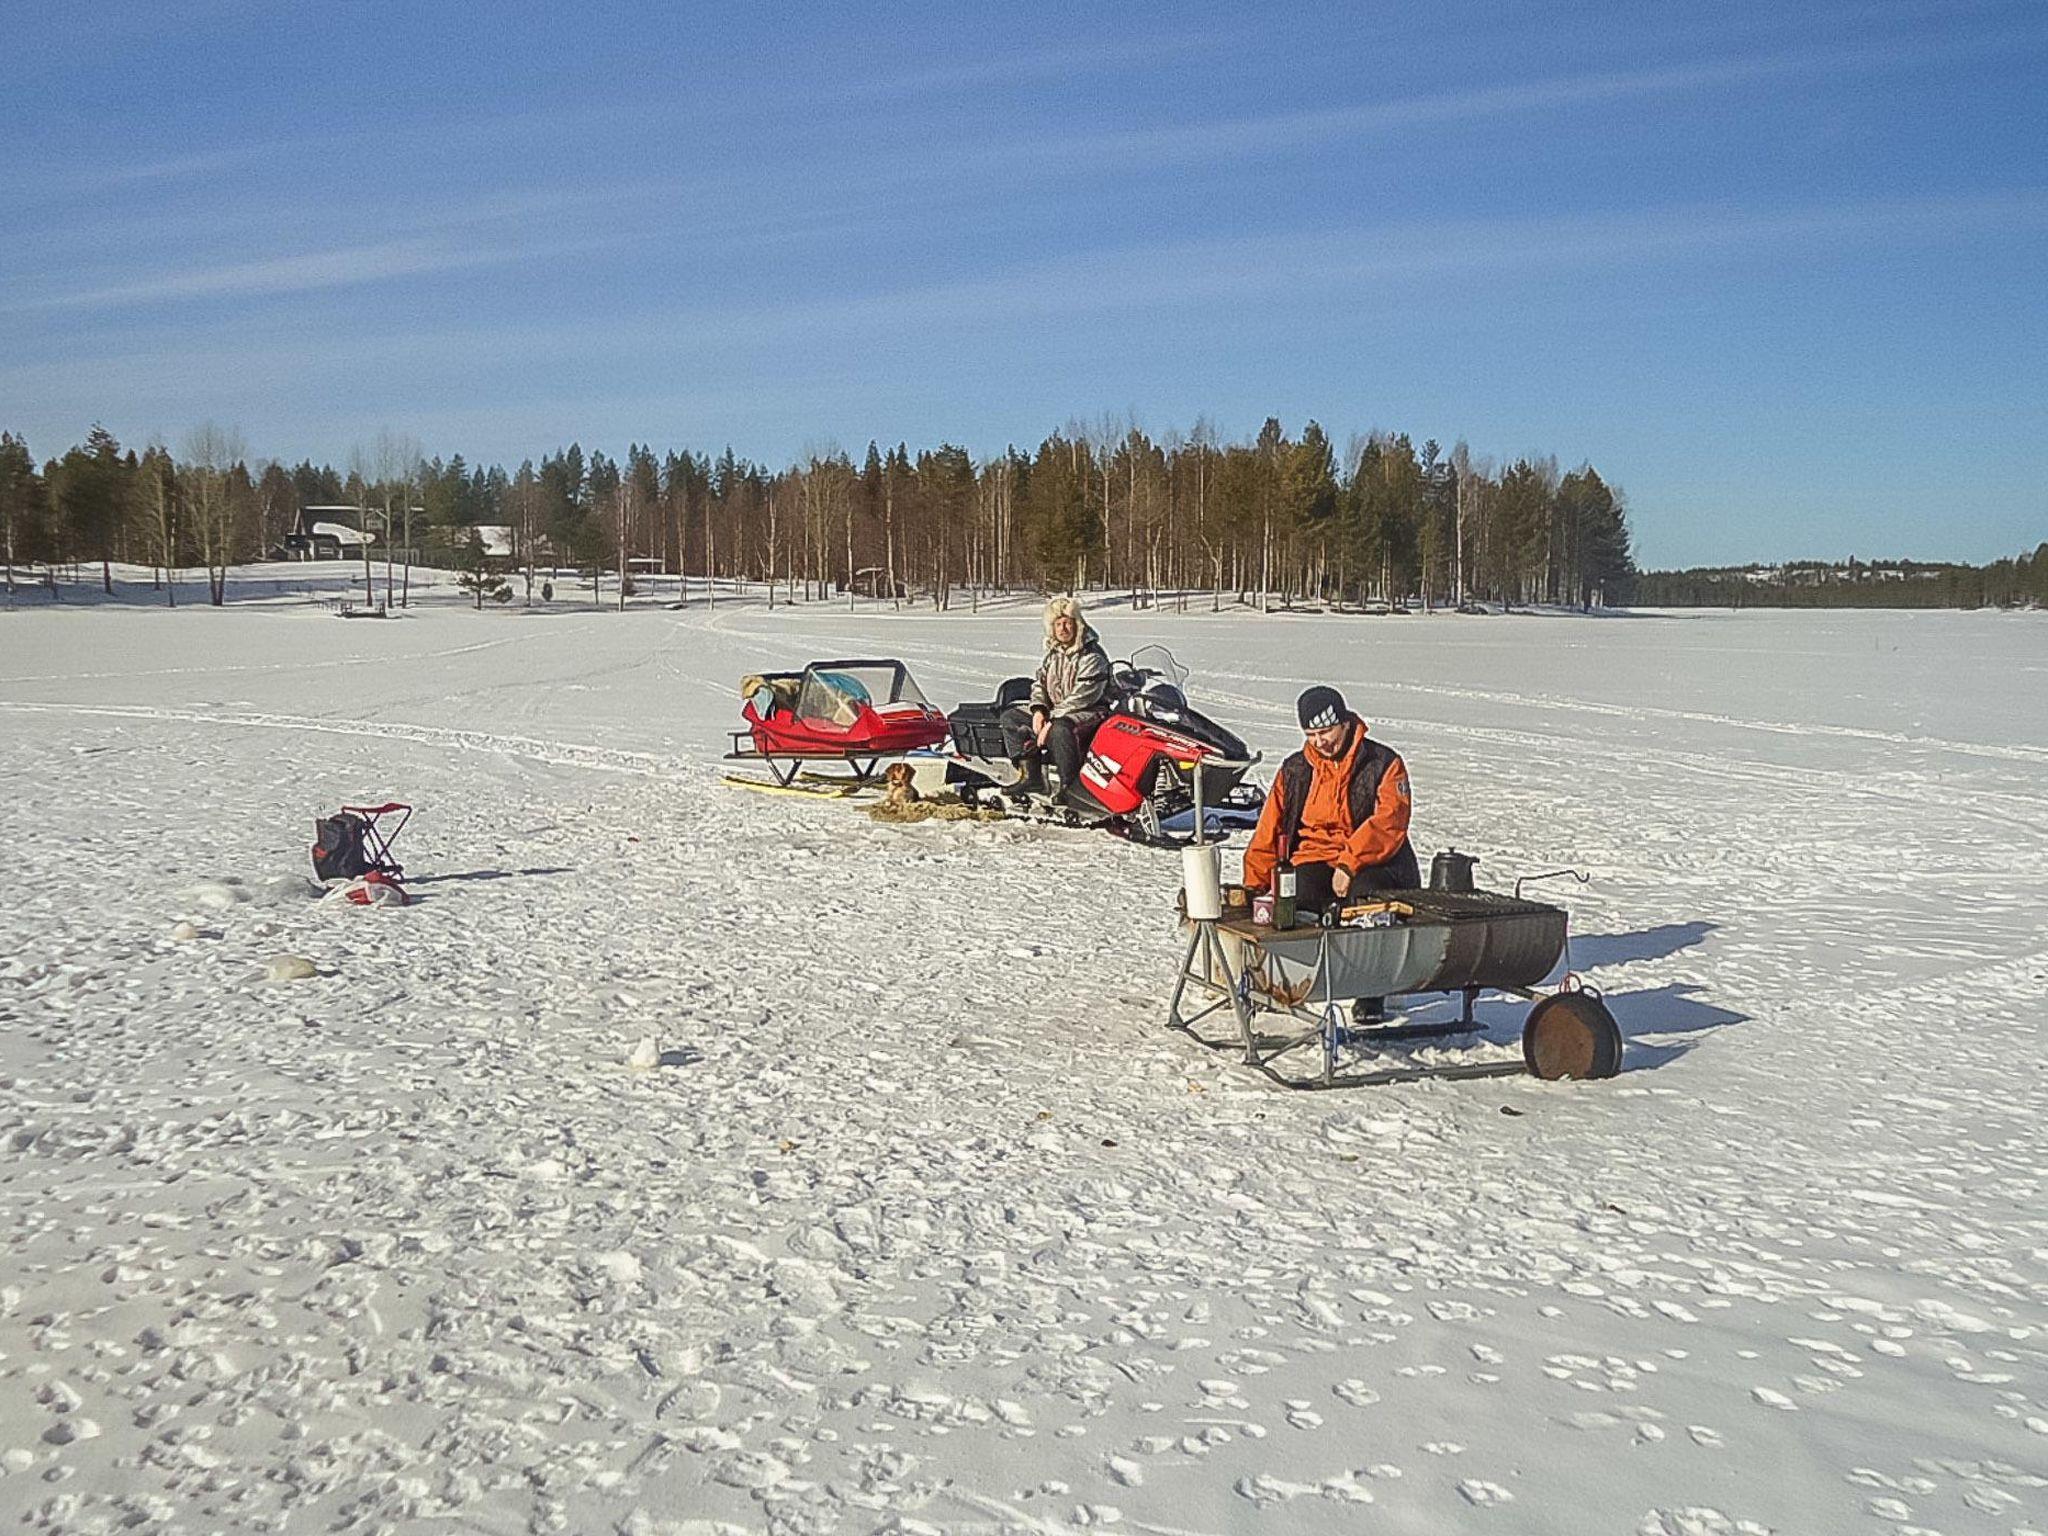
x=1320, y=707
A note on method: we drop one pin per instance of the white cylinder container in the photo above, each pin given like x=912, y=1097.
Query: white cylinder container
x=1201, y=877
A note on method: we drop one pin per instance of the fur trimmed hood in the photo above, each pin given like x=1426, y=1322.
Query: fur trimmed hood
x=1068, y=608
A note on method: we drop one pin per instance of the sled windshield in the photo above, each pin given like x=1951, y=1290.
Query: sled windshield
x=833, y=693
x=838, y=709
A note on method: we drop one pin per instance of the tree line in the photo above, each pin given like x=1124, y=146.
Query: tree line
x=2018, y=582
x=1275, y=520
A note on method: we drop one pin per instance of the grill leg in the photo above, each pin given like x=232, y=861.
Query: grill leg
x=1238, y=1006
x=1180, y=985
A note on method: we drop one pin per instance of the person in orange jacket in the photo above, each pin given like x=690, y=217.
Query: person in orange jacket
x=1338, y=812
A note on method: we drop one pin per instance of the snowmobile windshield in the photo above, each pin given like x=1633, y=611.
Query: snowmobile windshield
x=1153, y=683
x=1156, y=662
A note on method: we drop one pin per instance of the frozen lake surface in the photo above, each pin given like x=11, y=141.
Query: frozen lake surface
x=924, y=1223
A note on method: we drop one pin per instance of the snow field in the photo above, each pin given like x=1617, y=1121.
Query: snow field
x=921, y=1222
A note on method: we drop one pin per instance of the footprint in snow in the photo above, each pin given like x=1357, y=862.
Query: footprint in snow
x=1346, y=1488
x=1264, y=1488
x=1482, y=1494
x=1773, y=1399
x=1356, y=1393
x=1697, y=1520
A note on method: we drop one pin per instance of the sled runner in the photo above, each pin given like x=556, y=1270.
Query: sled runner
x=805, y=784
x=1290, y=990
x=1156, y=771
x=857, y=713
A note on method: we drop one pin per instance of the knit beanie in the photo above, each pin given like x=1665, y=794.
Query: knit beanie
x=1320, y=707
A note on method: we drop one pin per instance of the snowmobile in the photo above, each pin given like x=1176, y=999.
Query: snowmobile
x=1150, y=768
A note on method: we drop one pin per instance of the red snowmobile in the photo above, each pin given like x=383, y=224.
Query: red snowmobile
x=1150, y=768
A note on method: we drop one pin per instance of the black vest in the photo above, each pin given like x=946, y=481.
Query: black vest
x=1368, y=767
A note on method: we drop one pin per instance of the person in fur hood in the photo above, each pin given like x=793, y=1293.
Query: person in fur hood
x=1069, y=696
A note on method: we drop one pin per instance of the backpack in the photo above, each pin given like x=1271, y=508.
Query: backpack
x=338, y=854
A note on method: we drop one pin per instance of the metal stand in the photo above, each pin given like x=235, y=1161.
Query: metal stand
x=1325, y=1026
x=1255, y=1049
x=1230, y=995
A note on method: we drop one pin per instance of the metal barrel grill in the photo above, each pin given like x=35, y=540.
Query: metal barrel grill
x=1289, y=990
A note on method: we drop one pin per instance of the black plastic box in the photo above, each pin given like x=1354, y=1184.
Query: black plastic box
x=978, y=731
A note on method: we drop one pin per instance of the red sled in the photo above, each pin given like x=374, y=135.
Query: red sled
x=853, y=712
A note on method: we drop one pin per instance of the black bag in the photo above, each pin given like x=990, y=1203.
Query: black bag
x=339, y=853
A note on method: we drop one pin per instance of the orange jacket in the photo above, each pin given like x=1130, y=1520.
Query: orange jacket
x=1328, y=835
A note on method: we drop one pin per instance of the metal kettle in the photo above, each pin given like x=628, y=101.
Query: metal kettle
x=1452, y=871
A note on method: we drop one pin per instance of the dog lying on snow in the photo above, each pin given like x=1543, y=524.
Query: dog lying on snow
x=901, y=803
x=899, y=787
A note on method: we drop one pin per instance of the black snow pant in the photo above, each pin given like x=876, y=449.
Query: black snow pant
x=1313, y=893
x=1066, y=744
x=1313, y=890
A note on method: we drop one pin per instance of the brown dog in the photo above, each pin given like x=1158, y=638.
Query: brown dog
x=899, y=786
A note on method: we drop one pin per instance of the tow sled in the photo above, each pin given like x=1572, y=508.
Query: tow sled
x=859, y=714
x=1289, y=993
x=1156, y=771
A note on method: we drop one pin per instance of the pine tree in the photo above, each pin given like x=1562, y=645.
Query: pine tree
x=480, y=577
x=523, y=504
x=1308, y=496
x=563, y=506
x=277, y=497
x=600, y=523
x=23, y=506
x=1596, y=529
x=157, y=491
x=92, y=498
x=1065, y=531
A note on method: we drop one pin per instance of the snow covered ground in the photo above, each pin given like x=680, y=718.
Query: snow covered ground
x=923, y=1223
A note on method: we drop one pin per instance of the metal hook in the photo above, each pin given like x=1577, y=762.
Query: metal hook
x=1584, y=877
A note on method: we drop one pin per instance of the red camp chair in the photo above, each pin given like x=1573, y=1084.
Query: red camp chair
x=355, y=844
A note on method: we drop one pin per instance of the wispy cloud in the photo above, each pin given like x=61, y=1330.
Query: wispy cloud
x=1092, y=56
x=1356, y=264
x=340, y=267
x=1289, y=266
x=1247, y=137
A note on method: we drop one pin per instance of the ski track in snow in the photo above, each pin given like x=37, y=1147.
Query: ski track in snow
x=923, y=1223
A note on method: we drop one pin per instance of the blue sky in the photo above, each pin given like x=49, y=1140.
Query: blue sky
x=1780, y=272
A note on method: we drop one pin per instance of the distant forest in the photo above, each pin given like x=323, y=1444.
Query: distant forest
x=1272, y=521
x=2021, y=582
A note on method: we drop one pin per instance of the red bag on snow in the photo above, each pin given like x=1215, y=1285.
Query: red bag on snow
x=376, y=889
